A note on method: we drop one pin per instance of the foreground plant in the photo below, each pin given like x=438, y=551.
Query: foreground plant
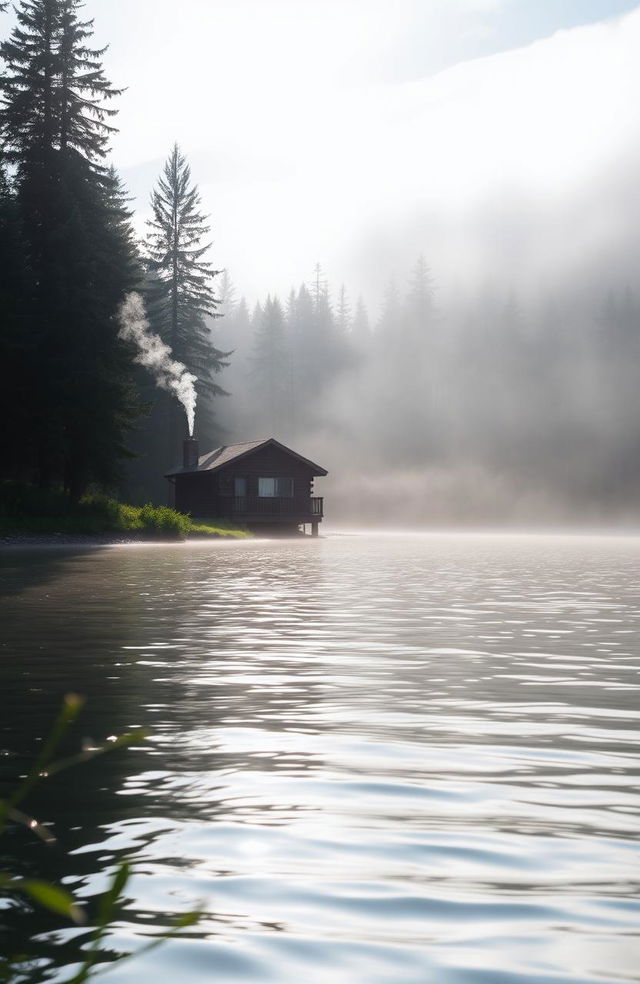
x=53, y=897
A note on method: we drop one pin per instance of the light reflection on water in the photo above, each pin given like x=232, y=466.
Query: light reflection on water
x=374, y=759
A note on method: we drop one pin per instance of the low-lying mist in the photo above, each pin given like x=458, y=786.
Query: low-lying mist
x=465, y=409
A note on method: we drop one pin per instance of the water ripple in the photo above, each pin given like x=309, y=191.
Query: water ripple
x=374, y=759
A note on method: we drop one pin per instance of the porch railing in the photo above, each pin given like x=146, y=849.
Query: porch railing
x=256, y=505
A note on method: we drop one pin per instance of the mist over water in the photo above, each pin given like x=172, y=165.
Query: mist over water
x=451, y=407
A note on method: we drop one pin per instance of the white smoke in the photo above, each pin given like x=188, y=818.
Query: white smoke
x=156, y=356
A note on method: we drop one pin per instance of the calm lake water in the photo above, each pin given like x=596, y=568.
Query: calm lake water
x=373, y=759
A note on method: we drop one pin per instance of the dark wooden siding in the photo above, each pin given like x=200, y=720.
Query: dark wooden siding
x=196, y=494
x=212, y=494
x=268, y=462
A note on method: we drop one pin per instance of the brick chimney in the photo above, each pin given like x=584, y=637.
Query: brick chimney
x=190, y=454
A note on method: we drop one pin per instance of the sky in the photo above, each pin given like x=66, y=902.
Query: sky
x=361, y=133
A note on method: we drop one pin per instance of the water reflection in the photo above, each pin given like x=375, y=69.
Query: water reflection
x=372, y=758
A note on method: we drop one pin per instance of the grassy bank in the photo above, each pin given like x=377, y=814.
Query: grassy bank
x=31, y=511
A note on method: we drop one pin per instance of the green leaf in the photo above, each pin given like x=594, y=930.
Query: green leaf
x=111, y=898
x=71, y=707
x=50, y=896
x=186, y=920
x=122, y=741
x=31, y=823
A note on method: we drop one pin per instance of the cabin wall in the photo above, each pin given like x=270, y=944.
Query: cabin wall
x=267, y=462
x=196, y=494
x=213, y=494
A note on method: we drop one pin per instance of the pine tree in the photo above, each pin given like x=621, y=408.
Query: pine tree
x=318, y=288
x=419, y=302
x=28, y=83
x=360, y=329
x=236, y=335
x=389, y=325
x=54, y=88
x=55, y=133
x=226, y=295
x=241, y=315
x=343, y=315
x=180, y=292
x=255, y=318
x=324, y=349
x=300, y=324
x=83, y=125
x=270, y=368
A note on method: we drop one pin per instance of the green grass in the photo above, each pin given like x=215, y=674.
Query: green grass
x=216, y=527
x=27, y=510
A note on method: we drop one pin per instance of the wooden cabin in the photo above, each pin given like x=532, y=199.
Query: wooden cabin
x=262, y=484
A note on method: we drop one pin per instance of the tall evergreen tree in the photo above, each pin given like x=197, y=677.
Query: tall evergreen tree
x=31, y=67
x=54, y=88
x=236, y=335
x=360, y=328
x=55, y=131
x=84, y=89
x=326, y=348
x=318, y=288
x=226, y=295
x=270, y=368
x=390, y=321
x=343, y=314
x=419, y=303
x=180, y=291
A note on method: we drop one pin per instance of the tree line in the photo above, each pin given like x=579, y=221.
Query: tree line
x=72, y=397
x=539, y=393
x=543, y=392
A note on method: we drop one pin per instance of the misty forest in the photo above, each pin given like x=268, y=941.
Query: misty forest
x=474, y=402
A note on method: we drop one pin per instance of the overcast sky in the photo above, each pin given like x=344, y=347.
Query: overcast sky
x=359, y=133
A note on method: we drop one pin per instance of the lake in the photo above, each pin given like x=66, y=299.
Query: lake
x=372, y=758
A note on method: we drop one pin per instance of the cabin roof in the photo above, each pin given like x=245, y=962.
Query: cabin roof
x=214, y=460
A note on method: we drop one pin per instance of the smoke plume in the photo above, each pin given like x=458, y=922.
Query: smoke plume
x=156, y=356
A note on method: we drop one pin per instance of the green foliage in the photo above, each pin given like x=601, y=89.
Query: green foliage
x=52, y=897
x=162, y=519
x=28, y=509
x=216, y=527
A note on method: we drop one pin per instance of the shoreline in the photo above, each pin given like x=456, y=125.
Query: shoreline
x=98, y=539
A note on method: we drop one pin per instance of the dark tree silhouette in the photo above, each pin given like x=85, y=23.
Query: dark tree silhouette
x=55, y=131
x=181, y=298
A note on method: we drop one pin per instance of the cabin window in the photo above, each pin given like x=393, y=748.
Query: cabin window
x=269, y=487
x=240, y=486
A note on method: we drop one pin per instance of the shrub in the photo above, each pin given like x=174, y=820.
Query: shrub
x=27, y=509
x=162, y=519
